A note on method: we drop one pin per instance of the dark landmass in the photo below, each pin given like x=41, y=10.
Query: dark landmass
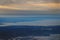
x=14, y=31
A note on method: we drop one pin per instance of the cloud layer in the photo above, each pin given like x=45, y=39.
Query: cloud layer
x=26, y=1
x=29, y=4
x=15, y=6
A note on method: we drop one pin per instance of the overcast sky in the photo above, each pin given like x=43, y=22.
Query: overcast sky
x=41, y=5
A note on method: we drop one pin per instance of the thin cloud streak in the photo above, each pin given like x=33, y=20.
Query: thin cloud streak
x=36, y=23
x=42, y=6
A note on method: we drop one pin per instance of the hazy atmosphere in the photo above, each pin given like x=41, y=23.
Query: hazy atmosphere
x=29, y=19
x=15, y=6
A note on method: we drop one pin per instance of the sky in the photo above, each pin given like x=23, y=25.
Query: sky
x=7, y=6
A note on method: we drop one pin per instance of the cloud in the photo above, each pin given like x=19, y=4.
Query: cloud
x=7, y=2
x=28, y=4
x=26, y=7
x=26, y=1
x=37, y=23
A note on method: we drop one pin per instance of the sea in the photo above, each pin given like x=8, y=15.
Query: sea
x=30, y=27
